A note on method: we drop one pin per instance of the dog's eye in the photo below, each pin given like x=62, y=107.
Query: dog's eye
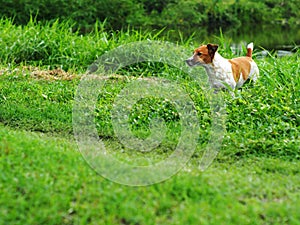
x=199, y=53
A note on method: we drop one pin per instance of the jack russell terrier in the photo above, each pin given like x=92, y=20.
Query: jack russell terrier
x=225, y=72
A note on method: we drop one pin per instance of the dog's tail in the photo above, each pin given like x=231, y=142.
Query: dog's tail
x=250, y=49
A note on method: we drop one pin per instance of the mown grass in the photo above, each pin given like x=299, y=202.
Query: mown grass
x=44, y=179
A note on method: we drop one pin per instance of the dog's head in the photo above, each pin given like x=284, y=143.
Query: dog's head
x=203, y=55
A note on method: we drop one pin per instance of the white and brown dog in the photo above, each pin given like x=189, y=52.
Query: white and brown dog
x=225, y=72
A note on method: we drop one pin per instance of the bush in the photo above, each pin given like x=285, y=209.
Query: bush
x=174, y=14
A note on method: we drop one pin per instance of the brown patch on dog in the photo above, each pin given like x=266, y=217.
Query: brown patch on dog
x=249, y=52
x=205, y=53
x=212, y=48
x=240, y=65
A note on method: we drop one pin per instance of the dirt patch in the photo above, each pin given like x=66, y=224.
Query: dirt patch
x=54, y=74
x=60, y=74
x=35, y=72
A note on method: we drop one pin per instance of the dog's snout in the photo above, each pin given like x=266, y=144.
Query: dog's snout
x=189, y=61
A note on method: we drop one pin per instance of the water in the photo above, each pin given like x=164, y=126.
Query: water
x=269, y=38
x=276, y=37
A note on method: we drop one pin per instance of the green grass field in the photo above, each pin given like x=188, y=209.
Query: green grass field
x=45, y=180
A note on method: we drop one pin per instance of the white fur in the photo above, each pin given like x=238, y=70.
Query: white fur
x=254, y=72
x=220, y=72
x=250, y=45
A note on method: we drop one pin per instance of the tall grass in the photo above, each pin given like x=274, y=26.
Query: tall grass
x=54, y=44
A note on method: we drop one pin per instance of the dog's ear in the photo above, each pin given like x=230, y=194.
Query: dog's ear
x=212, y=48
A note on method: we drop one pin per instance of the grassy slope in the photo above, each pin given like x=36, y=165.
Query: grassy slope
x=44, y=180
